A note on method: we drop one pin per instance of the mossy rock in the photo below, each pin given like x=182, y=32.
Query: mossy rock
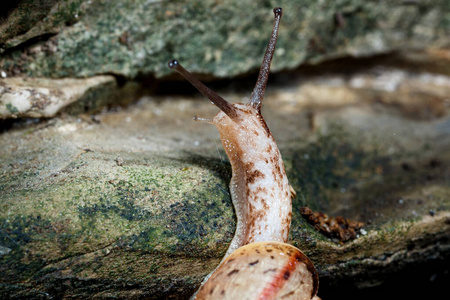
x=73, y=38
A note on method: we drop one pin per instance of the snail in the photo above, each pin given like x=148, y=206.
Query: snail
x=262, y=270
x=259, y=264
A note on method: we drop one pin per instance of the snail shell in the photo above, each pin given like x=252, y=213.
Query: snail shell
x=263, y=270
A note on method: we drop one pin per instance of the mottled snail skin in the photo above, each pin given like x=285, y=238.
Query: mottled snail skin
x=263, y=270
x=261, y=197
x=259, y=186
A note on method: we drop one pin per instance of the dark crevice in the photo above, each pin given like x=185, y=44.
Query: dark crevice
x=425, y=280
x=9, y=124
x=175, y=85
x=28, y=43
x=120, y=79
x=6, y=7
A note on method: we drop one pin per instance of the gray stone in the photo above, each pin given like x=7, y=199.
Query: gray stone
x=44, y=98
x=130, y=38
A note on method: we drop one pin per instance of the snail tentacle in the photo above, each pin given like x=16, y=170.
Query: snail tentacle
x=258, y=263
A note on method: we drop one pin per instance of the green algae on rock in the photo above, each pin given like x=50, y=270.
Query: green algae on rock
x=133, y=38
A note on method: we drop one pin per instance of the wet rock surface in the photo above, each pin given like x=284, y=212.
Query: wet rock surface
x=133, y=201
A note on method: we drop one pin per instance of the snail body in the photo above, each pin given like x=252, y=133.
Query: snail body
x=261, y=197
x=259, y=185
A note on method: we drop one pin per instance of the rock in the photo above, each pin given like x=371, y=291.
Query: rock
x=136, y=38
x=134, y=201
x=44, y=98
x=21, y=22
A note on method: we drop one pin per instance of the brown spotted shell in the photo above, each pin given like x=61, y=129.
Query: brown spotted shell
x=263, y=270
